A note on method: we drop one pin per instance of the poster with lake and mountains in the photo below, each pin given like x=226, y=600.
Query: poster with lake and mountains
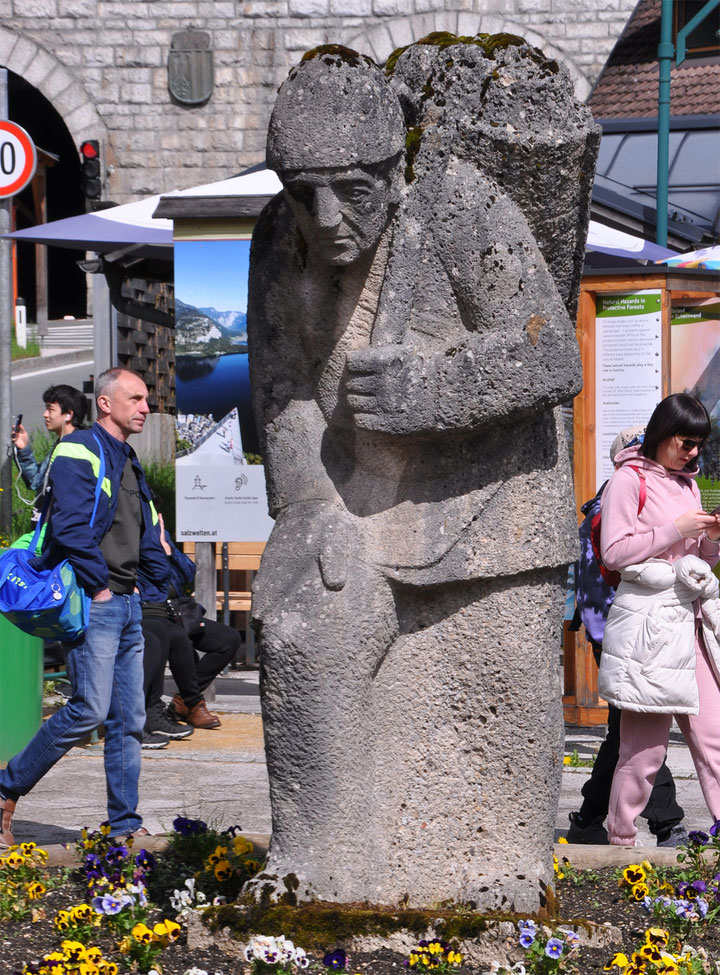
x=211, y=337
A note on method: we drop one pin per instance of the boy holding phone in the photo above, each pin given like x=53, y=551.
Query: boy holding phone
x=65, y=411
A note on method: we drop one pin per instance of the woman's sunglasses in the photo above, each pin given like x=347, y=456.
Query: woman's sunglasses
x=688, y=444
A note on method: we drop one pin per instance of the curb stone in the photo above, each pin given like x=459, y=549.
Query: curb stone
x=21, y=367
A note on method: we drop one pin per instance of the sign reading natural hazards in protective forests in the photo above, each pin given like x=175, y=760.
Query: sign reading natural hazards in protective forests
x=628, y=367
x=695, y=368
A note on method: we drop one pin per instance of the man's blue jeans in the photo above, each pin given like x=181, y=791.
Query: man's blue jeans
x=106, y=672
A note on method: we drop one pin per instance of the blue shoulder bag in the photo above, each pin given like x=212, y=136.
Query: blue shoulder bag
x=47, y=603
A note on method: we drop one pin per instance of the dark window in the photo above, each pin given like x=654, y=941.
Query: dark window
x=703, y=40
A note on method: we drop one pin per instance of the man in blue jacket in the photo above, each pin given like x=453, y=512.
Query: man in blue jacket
x=105, y=665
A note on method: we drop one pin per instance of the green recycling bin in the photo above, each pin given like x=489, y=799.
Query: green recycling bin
x=21, y=688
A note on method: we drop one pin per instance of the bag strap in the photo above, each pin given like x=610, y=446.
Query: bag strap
x=101, y=478
x=48, y=498
x=643, y=487
x=32, y=547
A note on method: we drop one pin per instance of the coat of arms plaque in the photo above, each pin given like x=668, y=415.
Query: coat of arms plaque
x=190, y=67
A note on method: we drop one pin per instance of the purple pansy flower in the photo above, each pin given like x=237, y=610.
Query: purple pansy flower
x=108, y=904
x=554, y=948
x=335, y=959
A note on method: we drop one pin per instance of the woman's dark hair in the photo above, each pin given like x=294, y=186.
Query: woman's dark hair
x=69, y=399
x=679, y=413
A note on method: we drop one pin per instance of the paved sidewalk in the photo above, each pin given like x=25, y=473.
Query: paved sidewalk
x=220, y=776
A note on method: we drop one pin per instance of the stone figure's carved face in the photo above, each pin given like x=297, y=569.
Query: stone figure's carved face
x=341, y=212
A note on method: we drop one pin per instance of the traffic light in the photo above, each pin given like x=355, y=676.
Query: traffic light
x=90, y=166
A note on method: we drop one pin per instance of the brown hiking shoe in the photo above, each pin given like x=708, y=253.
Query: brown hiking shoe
x=199, y=717
x=178, y=707
x=7, y=808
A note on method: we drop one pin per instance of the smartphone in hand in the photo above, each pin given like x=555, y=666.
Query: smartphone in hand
x=715, y=511
x=18, y=421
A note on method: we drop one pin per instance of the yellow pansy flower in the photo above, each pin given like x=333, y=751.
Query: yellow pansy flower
x=223, y=870
x=651, y=953
x=142, y=933
x=167, y=929
x=73, y=950
x=242, y=845
x=35, y=891
x=82, y=912
x=618, y=960
x=634, y=874
x=61, y=921
x=219, y=854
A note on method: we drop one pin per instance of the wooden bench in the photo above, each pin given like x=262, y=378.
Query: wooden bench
x=243, y=559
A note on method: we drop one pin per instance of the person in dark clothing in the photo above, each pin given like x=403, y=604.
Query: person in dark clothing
x=186, y=638
x=155, y=658
x=594, y=598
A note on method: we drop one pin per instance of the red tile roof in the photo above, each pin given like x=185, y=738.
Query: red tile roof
x=628, y=85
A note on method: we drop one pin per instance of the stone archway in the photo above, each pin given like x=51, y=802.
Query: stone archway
x=57, y=83
x=382, y=39
x=53, y=106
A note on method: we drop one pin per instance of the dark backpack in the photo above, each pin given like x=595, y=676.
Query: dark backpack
x=611, y=577
x=593, y=596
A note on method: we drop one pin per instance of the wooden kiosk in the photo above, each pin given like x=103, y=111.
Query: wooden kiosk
x=643, y=334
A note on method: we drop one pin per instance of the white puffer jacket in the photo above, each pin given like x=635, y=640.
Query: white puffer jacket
x=648, y=658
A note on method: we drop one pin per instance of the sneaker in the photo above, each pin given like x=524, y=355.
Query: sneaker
x=676, y=837
x=159, y=723
x=7, y=808
x=149, y=740
x=592, y=833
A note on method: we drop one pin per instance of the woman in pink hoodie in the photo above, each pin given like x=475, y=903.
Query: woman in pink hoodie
x=670, y=525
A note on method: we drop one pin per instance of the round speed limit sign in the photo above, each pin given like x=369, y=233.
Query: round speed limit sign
x=18, y=158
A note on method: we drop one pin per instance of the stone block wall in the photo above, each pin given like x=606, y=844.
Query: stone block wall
x=103, y=65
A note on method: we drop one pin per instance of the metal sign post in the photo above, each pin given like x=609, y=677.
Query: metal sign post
x=18, y=161
x=5, y=341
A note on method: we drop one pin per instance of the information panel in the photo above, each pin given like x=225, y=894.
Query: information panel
x=219, y=497
x=695, y=368
x=628, y=357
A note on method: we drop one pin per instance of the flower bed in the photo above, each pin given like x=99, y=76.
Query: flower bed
x=127, y=910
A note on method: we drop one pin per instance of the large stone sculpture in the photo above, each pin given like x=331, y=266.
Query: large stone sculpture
x=410, y=331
